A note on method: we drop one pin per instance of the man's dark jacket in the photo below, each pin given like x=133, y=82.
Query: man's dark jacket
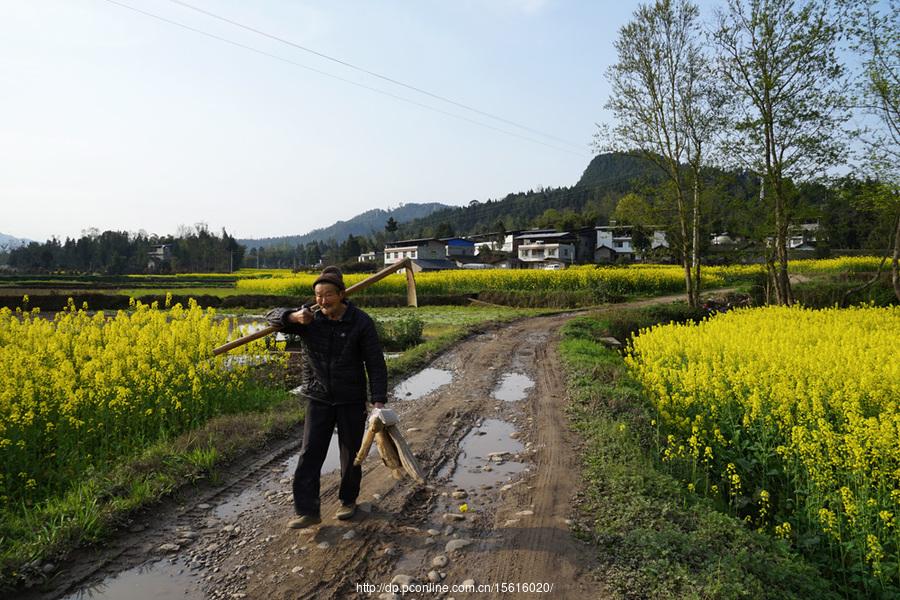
x=337, y=355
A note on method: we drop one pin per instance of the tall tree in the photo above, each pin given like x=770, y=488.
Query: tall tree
x=634, y=210
x=779, y=59
x=874, y=28
x=702, y=107
x=654, y=92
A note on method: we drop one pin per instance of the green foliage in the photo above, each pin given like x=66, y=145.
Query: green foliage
x=120, y=252
x=828, y=292
x=623, y=324
x=632, y=209
x=401, y=333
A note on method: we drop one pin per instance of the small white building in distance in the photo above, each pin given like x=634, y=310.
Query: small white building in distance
x=374, y=257
x=614, y=242
x=546, y=250
x=425, y=248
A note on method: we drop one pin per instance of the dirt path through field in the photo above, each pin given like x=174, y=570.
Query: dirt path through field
x=487, y=423
x=514, y=530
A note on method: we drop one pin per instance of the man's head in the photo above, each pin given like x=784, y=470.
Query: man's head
x=329, y=288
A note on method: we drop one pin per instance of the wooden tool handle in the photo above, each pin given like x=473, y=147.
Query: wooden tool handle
x=410, y=295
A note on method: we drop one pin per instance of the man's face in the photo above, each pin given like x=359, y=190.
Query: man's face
x=329, y=297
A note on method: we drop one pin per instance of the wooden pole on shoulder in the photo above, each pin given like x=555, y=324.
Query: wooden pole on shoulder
x=411, y=298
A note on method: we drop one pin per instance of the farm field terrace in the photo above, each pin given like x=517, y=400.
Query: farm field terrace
x=576, y=286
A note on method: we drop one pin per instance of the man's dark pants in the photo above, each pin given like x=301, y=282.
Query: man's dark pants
x=321, y=419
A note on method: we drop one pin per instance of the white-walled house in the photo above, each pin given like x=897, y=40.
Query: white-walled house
x=374, y=257
x=425, y=248
x=158, y=256
x=546, y=250
x=615, y=242
x=803, y=236
x=497, y=241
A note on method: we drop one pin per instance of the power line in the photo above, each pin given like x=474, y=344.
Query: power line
x=339, y=78
x=373, y=73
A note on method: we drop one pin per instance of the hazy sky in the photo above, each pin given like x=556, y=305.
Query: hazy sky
x=116, y=120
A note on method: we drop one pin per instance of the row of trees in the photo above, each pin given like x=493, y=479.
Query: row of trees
x=764, y=89
x=298, y=256
x=191, y=250
x=727, y=204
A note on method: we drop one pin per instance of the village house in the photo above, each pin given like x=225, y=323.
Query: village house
x=460, y=250
x=803, y=236
x=616, y=242
x=159, y=258
x=497, y=241
x=424, y=248
x=372, y=257
x=430, y=264
x=547, y=250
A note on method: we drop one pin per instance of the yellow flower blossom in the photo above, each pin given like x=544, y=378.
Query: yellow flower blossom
x=800, y=404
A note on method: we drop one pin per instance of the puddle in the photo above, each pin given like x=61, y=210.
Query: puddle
x=422, y=383
x=513, y=387
x=160, y=580
x=253, y=497
x=474, y=451
x=410, y=562
x=246, y=500
x=332, y=459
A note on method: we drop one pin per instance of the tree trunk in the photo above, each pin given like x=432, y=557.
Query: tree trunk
x=696, y=240
x=782, y=280
x=685, y=250
x=895, y=264
x=682, y=223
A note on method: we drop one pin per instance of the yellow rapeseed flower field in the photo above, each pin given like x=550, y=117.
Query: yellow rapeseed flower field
x=789, y=415
x=82, y=389
x=604, y=281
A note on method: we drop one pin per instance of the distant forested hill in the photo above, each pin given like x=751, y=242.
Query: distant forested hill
x=8, y=242
x=365, y=224
x=619, y=172
x=606, y=179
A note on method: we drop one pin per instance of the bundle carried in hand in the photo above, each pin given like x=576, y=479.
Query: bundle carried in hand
x=384, y=430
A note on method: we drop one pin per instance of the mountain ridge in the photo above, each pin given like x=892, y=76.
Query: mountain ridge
x=8, y=242
x=365, y=223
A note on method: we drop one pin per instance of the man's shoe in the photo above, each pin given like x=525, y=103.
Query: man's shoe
x=346, y=511
x=304, y=521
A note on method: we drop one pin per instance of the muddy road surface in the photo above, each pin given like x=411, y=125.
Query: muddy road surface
x=487, y=423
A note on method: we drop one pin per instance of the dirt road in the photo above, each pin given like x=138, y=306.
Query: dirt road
x=514, y=530
x=487, y=423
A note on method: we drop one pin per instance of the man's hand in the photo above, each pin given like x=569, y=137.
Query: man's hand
x=378, y=404
x=303, y=316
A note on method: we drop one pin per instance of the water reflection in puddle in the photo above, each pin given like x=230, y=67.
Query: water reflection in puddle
x=513, y=387
x=249, y=498
x=422, y=383
x=475, y=454
x=255, y=496
x=332, y=459
x=160, y=580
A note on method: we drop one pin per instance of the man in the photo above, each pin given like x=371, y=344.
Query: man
x=340, y=347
